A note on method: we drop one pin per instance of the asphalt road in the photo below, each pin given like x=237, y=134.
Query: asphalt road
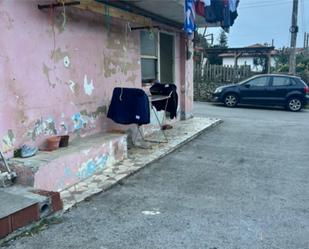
x=244, y=184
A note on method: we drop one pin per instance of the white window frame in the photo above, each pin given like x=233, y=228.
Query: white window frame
x=158, y=57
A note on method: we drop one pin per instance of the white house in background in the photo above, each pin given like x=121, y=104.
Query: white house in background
x=228, y=59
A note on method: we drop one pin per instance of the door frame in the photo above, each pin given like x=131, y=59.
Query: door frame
x=174, y=52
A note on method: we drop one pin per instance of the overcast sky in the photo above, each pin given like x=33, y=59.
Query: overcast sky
x=260, y=21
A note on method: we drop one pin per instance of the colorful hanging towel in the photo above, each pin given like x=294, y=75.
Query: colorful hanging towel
x=200, y=8
x=189, y=26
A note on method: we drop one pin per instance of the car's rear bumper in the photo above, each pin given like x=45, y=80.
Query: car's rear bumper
x=306, y=100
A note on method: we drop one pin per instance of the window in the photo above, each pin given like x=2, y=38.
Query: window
x=149, y=56
x=281, y=81
x=259, y=82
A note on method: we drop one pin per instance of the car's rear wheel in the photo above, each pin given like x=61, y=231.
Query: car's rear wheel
x=230, y=100
x=294, y=104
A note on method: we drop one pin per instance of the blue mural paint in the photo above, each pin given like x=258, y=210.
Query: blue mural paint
x=79, y=121
x=89, y=168
x=67, y=172
x=101, y=161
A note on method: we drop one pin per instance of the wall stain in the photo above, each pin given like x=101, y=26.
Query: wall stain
x=6, y=18
x=46, y=70
x=20, y=107
x=132, y=78
x=115, y=62
x=8, y=141
x=42, y=127
x=58, y=55
x=99, y=111
x=119, y=44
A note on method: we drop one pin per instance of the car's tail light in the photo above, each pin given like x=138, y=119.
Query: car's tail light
x=306, y=90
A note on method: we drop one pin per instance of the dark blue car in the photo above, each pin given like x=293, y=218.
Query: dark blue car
x=267, y=89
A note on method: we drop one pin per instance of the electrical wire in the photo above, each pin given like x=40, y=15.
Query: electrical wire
x=264, y=5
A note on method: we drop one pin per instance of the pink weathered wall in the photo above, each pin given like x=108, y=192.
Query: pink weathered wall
x=57, y=76
x=186, y=78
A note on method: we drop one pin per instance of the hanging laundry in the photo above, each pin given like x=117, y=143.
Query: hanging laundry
x=214, y=11
x=226, y=21
x=233, y=9
x=223, y=11
x=206, y=2
x=189, y=26
x=200, y=8
x=233, y=5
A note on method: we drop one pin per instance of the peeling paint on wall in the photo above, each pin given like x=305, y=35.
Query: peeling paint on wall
x=46, y=71
x=8, y=141
x=89, y=168
x=43, y=127
x=88, y=86
x=99, y=111
x=117, y=63
x=132, y=78
x=6, y=18
x=59, y=55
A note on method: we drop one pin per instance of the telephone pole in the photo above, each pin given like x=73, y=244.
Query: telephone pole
x=293, y=30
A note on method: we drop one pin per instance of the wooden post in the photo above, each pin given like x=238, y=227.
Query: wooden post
x=293, y=30
x=268, y=63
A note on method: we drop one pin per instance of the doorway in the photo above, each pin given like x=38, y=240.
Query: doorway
x=166, y=58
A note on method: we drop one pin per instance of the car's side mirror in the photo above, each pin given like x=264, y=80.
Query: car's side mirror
x=247, y=85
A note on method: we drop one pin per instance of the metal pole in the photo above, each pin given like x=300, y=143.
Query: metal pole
x=293, y=30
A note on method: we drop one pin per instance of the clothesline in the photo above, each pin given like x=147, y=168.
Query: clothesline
x=213, y=11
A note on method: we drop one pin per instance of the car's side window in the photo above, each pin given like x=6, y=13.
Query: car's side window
x=281, y=81
x=259, y=82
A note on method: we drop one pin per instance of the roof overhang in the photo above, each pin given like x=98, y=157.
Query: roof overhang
x=169, y=12
x=141, y=12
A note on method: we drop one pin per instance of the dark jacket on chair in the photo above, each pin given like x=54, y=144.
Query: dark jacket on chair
x=166, y=89
x=129, y=106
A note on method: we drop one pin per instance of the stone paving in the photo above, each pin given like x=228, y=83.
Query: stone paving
x=138, y=157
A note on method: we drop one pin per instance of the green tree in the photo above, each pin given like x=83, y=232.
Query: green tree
x=302, y=63
x=261, y=61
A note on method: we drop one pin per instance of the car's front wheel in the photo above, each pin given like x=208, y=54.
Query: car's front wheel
x=230, y=100
x=294, y=104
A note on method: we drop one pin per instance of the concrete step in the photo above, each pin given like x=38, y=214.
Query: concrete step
x=21, y=206
x=59, y=169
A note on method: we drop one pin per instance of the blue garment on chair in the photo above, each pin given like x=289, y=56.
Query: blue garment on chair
x=129, y=106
